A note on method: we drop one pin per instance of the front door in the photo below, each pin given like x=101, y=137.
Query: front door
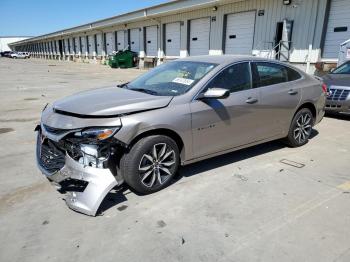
x=221, y=124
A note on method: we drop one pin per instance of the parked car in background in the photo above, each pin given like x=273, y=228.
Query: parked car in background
x=178, y=113
x=338, y=86
x=26, y=54
x=6, y=53
x=16, y=55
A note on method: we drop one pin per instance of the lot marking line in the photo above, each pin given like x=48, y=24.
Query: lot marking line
x=345, y=186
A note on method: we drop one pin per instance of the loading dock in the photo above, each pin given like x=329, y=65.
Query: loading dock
x=172, y=39
x=151, y=43
x=199, y=36
x=239, y=33
x=135, y=40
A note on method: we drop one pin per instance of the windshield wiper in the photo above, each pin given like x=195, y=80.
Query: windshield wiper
x=143, y=90
x=123, y=85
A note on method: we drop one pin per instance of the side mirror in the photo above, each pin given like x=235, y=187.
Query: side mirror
x=215, y=93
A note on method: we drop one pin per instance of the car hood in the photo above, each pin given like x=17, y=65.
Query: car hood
x=110, y=101
x=337, y=79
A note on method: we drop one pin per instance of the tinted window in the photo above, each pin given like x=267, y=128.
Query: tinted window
x=271, y=74
x=343, y=69
x=234, y=78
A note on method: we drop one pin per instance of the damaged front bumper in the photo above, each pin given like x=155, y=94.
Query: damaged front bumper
x=62, y=169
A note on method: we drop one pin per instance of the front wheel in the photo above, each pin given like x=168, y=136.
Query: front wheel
x=300, y=128
x=150, y=164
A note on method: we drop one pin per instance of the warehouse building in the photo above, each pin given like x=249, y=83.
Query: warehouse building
x=302, y=32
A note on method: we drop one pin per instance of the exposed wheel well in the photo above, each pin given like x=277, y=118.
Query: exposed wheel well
x=162, y=131
x=309, y=106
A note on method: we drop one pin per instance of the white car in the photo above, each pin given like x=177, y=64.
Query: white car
x=18, y=55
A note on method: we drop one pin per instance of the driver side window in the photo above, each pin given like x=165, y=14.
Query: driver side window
x=234, y=78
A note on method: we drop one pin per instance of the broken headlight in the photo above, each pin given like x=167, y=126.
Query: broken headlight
x=98, y=133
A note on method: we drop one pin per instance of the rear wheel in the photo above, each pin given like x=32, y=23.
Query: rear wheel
x=300, y=128
x=151, y=164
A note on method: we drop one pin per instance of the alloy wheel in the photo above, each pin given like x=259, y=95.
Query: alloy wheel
x=303, y=128
x=156, y=166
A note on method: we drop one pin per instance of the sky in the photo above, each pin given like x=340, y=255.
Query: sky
x=37, y=17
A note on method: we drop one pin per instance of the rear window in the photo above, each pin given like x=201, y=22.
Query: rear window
x=266, y=74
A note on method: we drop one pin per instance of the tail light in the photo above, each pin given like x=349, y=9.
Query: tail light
x=324, y=88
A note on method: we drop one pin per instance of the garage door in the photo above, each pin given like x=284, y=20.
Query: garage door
x=135, y=40
x=91, y=39
x=240, y=33
x=76, y=45
x=338, y=28
x=172, y=39
x=199, y=36
x=83, y=45
x=121, y=40
x=151, y=41
x=99, y=44
x=66, y=46
x=110, y=42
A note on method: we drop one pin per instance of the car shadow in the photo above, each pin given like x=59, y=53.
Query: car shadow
x=119, y=194
x=338, y=116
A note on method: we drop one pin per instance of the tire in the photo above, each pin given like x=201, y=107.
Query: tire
x=300, y=128
x=146, y=172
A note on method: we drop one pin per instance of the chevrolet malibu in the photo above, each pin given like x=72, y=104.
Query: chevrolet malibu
x=178, y=113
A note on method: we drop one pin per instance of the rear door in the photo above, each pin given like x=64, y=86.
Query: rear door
x=280, y=94
x=199, y=36
x=222, y=124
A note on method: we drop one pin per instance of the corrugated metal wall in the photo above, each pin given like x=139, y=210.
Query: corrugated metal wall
x=308, y=17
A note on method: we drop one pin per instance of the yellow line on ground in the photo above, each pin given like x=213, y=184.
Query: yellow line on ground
x=345, y=186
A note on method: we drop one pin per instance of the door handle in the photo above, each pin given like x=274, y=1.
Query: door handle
x=292, y=92
x=251, y=100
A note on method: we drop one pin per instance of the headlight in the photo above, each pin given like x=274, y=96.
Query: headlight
x=99, y=133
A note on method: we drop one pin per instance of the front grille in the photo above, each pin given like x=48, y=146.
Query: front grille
x=49, y=156
x=338, y=94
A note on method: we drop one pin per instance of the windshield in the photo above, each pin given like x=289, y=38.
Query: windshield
x=343, y=69
x=171, y=79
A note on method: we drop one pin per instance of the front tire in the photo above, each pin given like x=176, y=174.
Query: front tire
x=150, y=164
x=300, y=128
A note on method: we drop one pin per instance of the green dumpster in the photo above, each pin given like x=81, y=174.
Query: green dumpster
x=123, y=59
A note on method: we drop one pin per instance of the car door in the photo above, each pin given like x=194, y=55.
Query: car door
x=280, y=95
x=221, y=124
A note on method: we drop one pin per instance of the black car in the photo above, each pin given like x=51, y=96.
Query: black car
x=338, y=86
x=6, y=53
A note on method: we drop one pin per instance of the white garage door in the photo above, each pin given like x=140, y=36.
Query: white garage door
x=151, y=41
x=135, y=40
x=91, y=45
x=110, y=42
x=240, y=33
x=99, y=44
x=121, y=40
x=83, y=44
x=338, y=29
x=76, y=45
x=66, y=46
x=199, y=36
x=172, y=39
